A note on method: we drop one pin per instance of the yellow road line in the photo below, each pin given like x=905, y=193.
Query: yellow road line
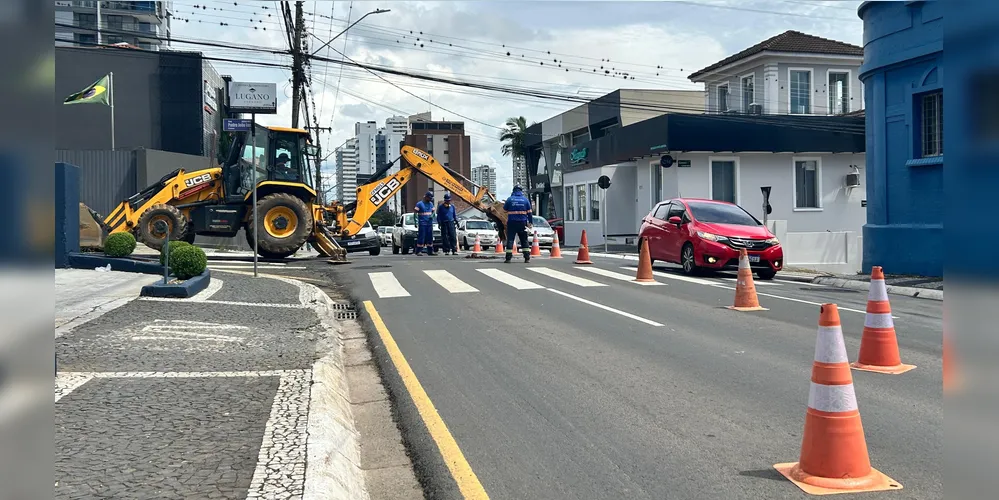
x=467, y=481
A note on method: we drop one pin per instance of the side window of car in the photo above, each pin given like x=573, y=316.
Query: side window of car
x=661, y=212
x=676, y=210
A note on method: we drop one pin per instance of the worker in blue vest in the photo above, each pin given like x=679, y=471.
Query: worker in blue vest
x=518, y=209
x=447, y=220
x=425, y=225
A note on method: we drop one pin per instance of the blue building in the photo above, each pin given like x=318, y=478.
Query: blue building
x=903, y=76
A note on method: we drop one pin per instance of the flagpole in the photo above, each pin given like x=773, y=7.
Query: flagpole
x=111, y=92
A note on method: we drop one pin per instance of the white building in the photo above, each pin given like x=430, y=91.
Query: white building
x=485, y=176
x=818, y=207
x=367, y=147
x=388, y=144
x=346, y=171
x=520, y=172
x=88, y=23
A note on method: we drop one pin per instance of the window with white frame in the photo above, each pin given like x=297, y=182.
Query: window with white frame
x=594, y=190
x=839, y=92
x=748, y=95
x=581, y=202
x=723, y=98
x=806, y=183
x=723, y=180
x=570, y=192
x=932, y=124
x=800, y=91
x=656, y=171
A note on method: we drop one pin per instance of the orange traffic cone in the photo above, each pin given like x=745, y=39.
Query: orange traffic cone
x=536, y=246
x=745, y=288
x=878, y=345
x=834, y=456
x=556, y=252
x=514, y=249
x=478, y=247
x=583, y=257
x=499, y=245
x=644, y=264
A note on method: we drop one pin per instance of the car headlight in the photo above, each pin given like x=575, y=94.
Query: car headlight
x=711, y=237
x=410, y=232
x=772, y=241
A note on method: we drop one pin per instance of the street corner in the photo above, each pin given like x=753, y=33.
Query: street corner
x=181, y=434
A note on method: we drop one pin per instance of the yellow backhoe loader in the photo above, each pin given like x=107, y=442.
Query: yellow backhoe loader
x=218, y=201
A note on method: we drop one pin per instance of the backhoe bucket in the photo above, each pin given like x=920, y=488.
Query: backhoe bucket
x=92, y=232
x=326, y=245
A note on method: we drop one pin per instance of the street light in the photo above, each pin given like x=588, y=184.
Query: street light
x=376, y=11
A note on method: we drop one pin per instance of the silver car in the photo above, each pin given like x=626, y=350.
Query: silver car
x=468, y=229
x=546, y=235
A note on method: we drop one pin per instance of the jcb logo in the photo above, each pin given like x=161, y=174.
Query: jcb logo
x=421, y=154
x=201, y=179
x=383, y=191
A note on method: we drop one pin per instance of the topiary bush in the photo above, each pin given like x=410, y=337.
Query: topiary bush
x=173, y=245
x=188, y=261
x=119, y=245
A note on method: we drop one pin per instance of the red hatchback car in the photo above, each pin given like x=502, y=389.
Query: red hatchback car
x=707, y=234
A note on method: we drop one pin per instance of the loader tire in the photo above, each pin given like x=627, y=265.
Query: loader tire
x=151, y=236
x=285, y=225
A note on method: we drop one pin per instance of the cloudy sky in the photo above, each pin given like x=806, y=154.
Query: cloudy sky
x=656, y=43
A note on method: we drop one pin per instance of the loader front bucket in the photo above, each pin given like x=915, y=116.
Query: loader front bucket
x=326, y=245
x=92, y=231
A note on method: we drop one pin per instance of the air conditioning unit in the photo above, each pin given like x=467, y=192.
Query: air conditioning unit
x=853, y=178
x=755, y=109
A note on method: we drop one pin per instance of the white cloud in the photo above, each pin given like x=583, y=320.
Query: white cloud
x=633, y=37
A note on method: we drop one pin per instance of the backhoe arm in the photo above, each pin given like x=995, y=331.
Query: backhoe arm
x=370, y=197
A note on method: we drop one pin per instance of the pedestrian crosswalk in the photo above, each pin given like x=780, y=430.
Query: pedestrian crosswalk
x=386, y=285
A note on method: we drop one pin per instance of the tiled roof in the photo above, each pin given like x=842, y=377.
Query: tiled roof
x=789, y=41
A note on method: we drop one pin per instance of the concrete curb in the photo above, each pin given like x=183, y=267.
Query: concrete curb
x=182, y=290
x=123, y=264
x=919, y=293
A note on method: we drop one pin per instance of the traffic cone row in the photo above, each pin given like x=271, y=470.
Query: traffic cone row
x=834, y=457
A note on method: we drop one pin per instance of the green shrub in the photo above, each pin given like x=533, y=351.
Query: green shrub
x=172, y=246
x=188, y=261
x=119, y=245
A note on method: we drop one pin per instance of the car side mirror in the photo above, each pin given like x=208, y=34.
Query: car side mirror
x=676, y=220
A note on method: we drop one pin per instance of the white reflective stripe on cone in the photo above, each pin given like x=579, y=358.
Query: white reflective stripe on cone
x=744, y=263
x=829, y=348
x=832, y=398
x=878, y=320
x=879, y=291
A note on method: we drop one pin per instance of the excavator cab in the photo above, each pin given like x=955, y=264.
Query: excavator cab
x=283, y=158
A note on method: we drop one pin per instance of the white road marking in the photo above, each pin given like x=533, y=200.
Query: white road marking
x=809, y=302
x=755, y=281
x=617, y=276
x=449, y=281
x=189, y=330
x=568, y=278
x=213, y=286
x=607, y=308
x=387, y=286
x=509, y=279
x=244, y=263
x=688, y=279
x=66, y=383
x=224, y=302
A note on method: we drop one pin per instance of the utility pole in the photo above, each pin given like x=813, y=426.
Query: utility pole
x=298, y=60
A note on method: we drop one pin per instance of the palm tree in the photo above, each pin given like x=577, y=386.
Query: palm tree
x=513, y=137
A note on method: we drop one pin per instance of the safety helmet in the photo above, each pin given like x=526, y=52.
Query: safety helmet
x=517, y=188
x=447, y=196
x=430, y=194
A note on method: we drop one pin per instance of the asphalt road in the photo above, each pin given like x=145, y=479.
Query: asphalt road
x=566, y=389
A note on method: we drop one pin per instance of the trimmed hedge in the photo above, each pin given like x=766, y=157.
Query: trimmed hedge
x=173, y=245
x=188, y=261
x=119, y=245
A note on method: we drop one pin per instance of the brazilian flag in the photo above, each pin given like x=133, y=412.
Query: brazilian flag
x=97, y=93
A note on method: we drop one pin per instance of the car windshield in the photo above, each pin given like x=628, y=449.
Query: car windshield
x=721, y=213
x=478, y=224
x=540, y=222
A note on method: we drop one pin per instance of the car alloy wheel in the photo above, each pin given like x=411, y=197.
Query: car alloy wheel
x=687, y=259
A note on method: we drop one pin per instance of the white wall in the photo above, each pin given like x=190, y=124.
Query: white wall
x=618, y=208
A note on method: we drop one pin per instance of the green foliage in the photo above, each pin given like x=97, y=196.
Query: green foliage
x=514, y=137
x=119, y=245
x=383, y=217
x=188, y=261
x=173, y=245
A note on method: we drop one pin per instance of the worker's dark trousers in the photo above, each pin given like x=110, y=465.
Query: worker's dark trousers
x=449, y=240
x=513, y=230
x=425, y=238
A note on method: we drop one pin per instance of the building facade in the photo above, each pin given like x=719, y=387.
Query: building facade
x=903, y=75
x=164, y=100
x=520, y=172
x=364, y=135
x=445, y=141
x=346, y=171
x=485, y=176
x=145, y=25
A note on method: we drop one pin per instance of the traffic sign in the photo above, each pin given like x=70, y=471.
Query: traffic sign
x=236, y=125
x=603, y=182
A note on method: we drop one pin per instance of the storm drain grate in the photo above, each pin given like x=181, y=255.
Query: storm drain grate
x=342, y=315
x=344, y=310
x=343, y=306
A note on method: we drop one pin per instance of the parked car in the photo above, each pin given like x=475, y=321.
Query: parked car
x=559, y=226
x=468, y=229
x=546, y=235
x=707, y=235
x=366, y=240
x=404, y=233
x=385, y=234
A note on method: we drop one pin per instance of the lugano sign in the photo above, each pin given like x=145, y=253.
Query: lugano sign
x=253, y=97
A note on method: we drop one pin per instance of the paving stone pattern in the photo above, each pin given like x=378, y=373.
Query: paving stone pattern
x=141, y=438
x=242, y=288
x=280, y=472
